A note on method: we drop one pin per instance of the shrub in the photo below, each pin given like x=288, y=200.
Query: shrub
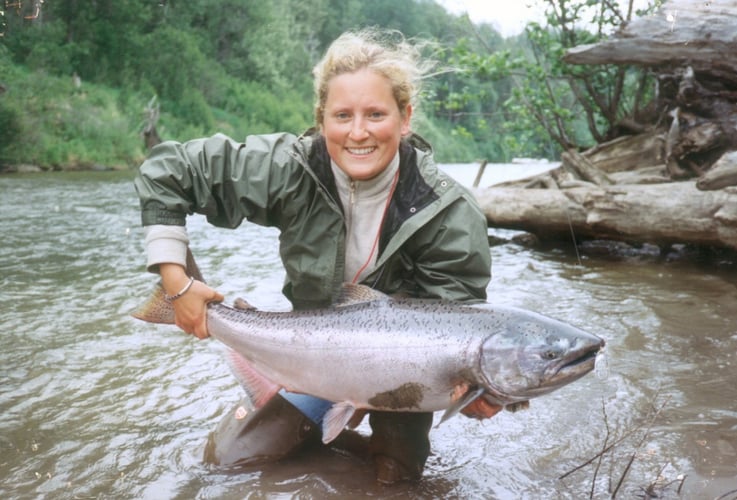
x=10, y=130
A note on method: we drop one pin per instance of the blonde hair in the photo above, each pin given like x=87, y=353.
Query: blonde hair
x=387, y=53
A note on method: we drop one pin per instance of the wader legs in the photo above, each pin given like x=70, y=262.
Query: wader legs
x=399, y=445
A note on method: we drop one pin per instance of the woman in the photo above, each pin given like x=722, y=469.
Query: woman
x=358, y=199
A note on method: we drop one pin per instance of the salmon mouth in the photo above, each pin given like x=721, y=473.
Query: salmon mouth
x=587, y=359
x=578, y=363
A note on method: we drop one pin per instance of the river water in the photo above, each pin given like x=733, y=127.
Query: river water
x=94, y=404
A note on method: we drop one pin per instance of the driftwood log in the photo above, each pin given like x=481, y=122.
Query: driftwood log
x=721, y=175
x=661, y=214
x=675, y=180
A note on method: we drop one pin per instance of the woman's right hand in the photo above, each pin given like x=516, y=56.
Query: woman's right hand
x=190, y=310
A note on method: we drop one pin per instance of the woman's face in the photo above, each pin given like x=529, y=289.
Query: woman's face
x=362, y=123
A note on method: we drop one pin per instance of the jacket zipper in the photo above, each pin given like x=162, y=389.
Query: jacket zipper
x=352, y=197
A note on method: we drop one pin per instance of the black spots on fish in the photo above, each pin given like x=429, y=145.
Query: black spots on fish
x=534, y=331
x=408, y=395
x=156, y=309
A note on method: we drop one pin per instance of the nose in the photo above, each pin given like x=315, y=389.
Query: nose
x=358, y=130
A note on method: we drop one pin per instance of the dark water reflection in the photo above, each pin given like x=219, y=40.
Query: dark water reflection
x=96, y=405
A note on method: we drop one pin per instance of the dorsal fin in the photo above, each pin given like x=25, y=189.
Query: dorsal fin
x=352, y=294
x=243, y=305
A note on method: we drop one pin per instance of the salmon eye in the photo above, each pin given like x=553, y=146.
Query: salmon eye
x=550, y=355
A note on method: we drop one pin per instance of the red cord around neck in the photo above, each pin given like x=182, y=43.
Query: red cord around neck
x=378, y=232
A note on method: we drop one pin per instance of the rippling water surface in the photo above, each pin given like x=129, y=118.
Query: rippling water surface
x=94, y=404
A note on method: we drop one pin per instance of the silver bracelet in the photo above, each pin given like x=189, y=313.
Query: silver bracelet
x=172, y=298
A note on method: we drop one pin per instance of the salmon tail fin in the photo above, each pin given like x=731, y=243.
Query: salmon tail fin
x=157, y=309
x=192, y=268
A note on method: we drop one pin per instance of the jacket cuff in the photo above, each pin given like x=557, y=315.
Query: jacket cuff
x=155, y=213
x=165, y=244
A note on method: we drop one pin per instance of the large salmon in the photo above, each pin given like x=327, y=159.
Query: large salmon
x=373, y=352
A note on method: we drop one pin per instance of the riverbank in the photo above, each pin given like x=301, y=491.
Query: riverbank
x=44, y=178
x=24, y=168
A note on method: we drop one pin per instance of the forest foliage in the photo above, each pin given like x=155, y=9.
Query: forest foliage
x=76, y=75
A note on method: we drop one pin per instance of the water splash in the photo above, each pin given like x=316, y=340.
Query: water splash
x=601, y=364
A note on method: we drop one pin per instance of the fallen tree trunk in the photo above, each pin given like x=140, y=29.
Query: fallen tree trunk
x=722, y=174
x=661, y=214
x=581, y=167
x=690, y=46
x=696, y=33
x=624, y=189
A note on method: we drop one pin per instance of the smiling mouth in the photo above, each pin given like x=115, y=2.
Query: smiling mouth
x=361, y=151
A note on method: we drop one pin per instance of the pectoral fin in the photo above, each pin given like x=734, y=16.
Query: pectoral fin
x=336, y=419
x=259, y=389
x=464, y=400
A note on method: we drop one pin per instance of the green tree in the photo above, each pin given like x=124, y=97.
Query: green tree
x=10, y=125
x=97, y=40
x=573, y=106
x=466, y=99
x=241, y=66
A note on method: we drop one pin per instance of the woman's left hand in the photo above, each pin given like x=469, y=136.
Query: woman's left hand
x=481, y=409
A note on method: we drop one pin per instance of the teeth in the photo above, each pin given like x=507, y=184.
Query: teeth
x=360, y=151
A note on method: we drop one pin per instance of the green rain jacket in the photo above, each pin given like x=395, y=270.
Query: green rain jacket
x=433, y=242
